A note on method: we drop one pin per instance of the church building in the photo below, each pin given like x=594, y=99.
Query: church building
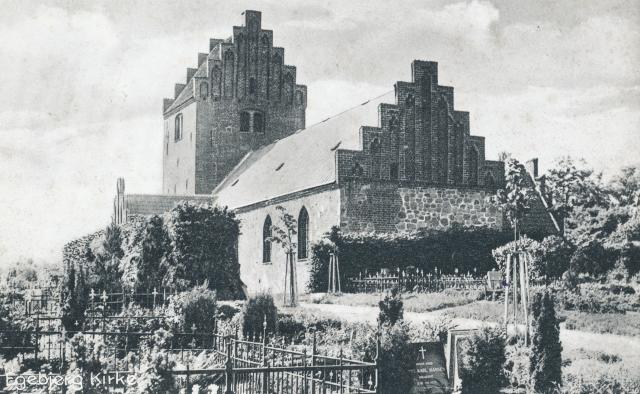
x=235, y=136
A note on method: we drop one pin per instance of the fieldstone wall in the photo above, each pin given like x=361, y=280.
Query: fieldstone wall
x=391, y=207
x=439, y=208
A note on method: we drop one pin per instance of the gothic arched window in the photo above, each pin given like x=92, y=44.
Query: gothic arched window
x=473, y=166
x=489, y=180
x=393, y=122
x=177, y=132
x=303, y=234
x=266, y=240
x=204, y=90
x=265, y=40
x=288, y=88
x=245, y=121
x=258, y=122
x=375, y=158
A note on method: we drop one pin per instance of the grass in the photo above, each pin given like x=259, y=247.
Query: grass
x=413, y=302
x=486, y=311
x=603, y=323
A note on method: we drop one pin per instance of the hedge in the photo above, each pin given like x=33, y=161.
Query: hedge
x=466, y=249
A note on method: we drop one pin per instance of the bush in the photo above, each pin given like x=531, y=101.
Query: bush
x=463, y=248
x=481, y=362
x=395, y=357
x=227, y=312
x=549, y=258
x=203, y=241
x=545, y=361
x=196, y=308
x=257, y=310
x=593, y=259
x=593, y=298
x=391, y=309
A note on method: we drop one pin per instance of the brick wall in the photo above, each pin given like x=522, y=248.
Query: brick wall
x=421, y=138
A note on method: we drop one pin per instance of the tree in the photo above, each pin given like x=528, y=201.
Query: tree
x=108, y=252
x=285, y=237
x=625, y=188
x=155, y=248
x=515, y=199
x=545, y=361
x=481, y=362
x=391, y=307
x=74, y=299
x=568, y=186
x=203, y=248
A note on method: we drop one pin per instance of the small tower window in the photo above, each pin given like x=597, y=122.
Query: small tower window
x=258, y=122
x=178, y=128
x=393, y=171
x=186, y=184
x=245, y=121
x=252, y=86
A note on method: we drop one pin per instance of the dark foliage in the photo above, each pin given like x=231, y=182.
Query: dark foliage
x=227, y=312
x=593, y=259
x=257, y=310
x=74, y=299
x=395, y=358
x=481, y=362
x=196, y=309
x=155, y=249
x=545, y=361
x=203, y=241
x=463, y=248
x=391, y=308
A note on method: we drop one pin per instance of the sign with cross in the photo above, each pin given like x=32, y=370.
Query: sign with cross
x=430, y=373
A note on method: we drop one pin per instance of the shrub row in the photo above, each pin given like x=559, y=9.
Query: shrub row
x=459, y=248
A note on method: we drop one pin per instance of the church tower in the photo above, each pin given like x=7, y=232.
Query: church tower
x=241, y=96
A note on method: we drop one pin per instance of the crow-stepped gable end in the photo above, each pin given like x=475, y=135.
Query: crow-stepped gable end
x=241, y=96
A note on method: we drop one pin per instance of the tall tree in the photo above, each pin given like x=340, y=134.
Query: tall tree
x=203, y=248
x=545, y=360
x=570, y=185
x=625, y=188
x=515, y=199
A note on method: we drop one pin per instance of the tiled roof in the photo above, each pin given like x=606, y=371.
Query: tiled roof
x=149, y=204
x=298, y=162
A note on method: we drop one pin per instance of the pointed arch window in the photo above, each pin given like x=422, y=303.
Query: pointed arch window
x=473, y=166
x=303, y=234
x=258, y=122
x=266, y=240
x=245, y=121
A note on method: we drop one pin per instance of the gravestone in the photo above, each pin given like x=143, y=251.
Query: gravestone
x=453, y=354
x=430, y=373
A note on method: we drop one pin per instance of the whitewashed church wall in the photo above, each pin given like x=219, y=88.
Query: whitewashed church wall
x=323, y=208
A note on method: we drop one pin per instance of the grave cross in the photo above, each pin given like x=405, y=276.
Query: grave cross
x=422, y=350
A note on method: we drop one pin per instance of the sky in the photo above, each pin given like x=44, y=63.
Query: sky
x=82, y=84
